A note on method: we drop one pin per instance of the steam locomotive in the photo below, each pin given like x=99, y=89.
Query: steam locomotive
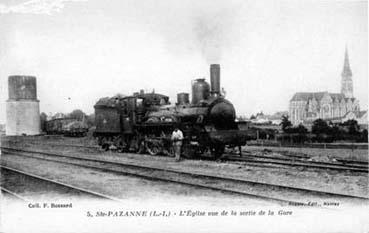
x=144, y=122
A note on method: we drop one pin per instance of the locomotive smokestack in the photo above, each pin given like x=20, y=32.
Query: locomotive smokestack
x=215, y=79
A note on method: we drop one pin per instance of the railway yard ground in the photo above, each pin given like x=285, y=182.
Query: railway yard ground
x=141, y=179
x=345, y=182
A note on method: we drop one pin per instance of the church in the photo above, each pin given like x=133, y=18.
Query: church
x=306, y=107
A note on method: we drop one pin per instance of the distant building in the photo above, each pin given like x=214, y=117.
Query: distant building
x=260, y=118
x=58, y=115
x=274, y=119
x=361, y=117
x=309, y=106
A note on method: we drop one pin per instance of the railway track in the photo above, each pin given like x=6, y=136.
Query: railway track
x=31, y=183
x=13, y=195
x=73, y=145
x=260, y=159
x=294, y=161
x=302, y=156
x=272, y=192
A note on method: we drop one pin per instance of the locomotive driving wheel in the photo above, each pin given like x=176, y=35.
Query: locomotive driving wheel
x=168, y=151
x=134, y=143
x=188, y=151
x=217, y=151
x=152, y=147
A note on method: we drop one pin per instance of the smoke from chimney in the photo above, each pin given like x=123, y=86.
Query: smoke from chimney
x=203, y=27
x=213, y=31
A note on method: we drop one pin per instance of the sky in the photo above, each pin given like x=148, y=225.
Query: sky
x=82, y=50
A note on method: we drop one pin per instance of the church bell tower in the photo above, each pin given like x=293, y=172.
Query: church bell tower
x=346, y=82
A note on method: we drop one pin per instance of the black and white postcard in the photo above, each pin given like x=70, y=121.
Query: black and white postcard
x=184, y=116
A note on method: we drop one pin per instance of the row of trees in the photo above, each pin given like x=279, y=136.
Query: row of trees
x=321, y=131
x=81, y=116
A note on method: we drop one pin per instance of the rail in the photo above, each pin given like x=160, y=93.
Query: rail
x=350, y=146
x=245, y=187
x=58, y=183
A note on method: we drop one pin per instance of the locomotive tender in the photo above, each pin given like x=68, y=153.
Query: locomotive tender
x=144, y=121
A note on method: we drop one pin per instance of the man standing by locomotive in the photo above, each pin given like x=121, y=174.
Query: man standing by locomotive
x=177, y=137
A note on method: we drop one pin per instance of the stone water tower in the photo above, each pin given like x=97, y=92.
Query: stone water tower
x=22, y=107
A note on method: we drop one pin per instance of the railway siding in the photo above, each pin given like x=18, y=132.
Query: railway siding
x=127, y=189
x=231, y=185
x=320, y=179
x=338, y=154
x=25, y=185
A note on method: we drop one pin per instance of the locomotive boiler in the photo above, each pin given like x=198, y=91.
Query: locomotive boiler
x=144, y=122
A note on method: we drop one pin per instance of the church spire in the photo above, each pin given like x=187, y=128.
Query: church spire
x=346, y=72
x=346, y=82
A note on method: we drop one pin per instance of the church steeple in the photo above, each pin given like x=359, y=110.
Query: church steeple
x=346, y=72
x=346, y=82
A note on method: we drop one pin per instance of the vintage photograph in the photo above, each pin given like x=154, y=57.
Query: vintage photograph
x=184, y=116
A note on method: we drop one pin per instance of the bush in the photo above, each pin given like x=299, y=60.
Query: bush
x=320, y=127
